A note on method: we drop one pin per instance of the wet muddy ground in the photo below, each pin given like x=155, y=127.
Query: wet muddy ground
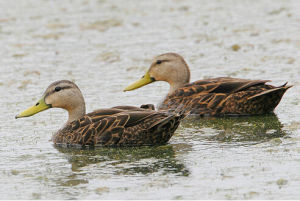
x=105, y=45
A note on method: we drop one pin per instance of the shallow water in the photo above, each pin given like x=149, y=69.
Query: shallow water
x=105, y=45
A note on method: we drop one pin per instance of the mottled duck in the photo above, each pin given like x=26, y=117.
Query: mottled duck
x=209, y=97
x=117, y=126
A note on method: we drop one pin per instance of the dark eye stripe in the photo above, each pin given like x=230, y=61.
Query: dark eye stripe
x=161, y=61
x=62, y=88
x=57, y=89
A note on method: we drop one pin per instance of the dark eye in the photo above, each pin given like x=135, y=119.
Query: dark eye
x=158, y=61
x=57, y=89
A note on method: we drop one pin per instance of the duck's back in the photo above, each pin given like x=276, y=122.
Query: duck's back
x=119, y=126
x=225, y=96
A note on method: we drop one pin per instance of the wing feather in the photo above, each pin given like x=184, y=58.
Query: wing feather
x=224, y=95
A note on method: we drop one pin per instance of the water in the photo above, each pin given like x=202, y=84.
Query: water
x=105, y=45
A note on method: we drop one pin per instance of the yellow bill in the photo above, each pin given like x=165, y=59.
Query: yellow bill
x=38, y=107
x=146, y=79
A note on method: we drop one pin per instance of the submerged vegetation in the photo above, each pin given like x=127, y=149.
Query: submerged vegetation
x=239, y=129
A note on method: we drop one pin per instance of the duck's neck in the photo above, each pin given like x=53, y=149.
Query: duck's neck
x=178, y=81
x=175, y=86
x=76, y=112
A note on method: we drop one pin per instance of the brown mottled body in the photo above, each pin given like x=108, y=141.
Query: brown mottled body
x=212, y=97
x=119, y=126
x=225, y=96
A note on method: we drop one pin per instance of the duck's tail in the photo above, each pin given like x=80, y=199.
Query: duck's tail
x=266, y=101
x=278, y=91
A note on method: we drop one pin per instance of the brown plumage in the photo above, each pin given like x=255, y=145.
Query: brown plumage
x=225, y=96
x=213, y=97
x=117, y=126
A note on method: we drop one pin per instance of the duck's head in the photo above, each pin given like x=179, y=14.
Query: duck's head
x=169, y=67
x=60, y=94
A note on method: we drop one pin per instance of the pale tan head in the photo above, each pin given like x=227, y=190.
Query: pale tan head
x=169, y=67
x=60, y=94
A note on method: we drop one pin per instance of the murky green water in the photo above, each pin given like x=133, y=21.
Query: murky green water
x=105, y=45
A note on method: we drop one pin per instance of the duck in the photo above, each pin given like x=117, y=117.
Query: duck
x=221, y=96
x=117, y=126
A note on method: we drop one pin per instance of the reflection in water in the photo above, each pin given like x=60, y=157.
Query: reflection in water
x=237, y=129
x=127, y=161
